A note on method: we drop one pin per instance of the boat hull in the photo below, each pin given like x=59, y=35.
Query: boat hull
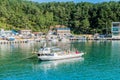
x=59, y=57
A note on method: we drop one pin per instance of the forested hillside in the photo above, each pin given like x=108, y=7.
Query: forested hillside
x=85, y=18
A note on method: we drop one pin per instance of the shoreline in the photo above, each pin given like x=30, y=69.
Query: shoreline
x=33, y=40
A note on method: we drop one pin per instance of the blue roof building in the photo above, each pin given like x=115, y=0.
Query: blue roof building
x=63, y=28
x=63, y=31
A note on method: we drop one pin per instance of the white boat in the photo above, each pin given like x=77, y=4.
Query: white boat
x=55, y=53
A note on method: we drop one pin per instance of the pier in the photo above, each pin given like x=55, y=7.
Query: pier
x=38, y=40
x=15, y=41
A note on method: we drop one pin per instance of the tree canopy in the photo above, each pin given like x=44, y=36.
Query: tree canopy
x=84, y=17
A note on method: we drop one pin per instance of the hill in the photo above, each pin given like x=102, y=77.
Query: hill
x=84, y=17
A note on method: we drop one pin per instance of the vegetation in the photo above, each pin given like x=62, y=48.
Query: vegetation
x=84, y=17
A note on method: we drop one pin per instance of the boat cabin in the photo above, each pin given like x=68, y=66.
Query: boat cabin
x=49, y=51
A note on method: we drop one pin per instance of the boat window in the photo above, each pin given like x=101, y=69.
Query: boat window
x=41, y=49
x=56, y=50
x=46, y=49
x=46, y=54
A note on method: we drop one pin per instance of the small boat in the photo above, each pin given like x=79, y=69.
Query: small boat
x=10, y=38
x=55, y=53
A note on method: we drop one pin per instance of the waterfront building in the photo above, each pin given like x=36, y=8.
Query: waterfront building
x=37, y=34
x=6, y=33
x=63, y=31
x=25, y=32
x=51, y=35
x=115, y=30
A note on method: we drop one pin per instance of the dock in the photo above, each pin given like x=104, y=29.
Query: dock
x=10, y=42
x=38, y=40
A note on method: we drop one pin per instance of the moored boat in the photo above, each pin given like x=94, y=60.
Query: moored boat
x=55, y=53
x=10, y=38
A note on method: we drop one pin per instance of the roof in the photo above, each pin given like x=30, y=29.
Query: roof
x=14, y=32
x=25, y=30
x=63, y=28
x=37, y=33
x=115, y=22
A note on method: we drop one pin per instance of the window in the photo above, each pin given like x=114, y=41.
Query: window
x=115, y=33
x=116, y=24
x=115, y=29
x=46, y=49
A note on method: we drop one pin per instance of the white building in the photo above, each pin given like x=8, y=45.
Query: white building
x=63, y=31
x=6, y=33
x=115, y=30
x=25, y=32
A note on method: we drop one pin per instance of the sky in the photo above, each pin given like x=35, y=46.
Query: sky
x=93, y=1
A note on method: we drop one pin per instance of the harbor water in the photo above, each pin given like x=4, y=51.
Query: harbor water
x=101, y=62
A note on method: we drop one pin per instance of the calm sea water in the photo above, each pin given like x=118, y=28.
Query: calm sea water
x=101, y=62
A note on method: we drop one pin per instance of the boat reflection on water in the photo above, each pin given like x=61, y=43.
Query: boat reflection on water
x=46, y=65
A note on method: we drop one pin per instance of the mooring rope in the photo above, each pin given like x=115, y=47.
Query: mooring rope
x=33, y=55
